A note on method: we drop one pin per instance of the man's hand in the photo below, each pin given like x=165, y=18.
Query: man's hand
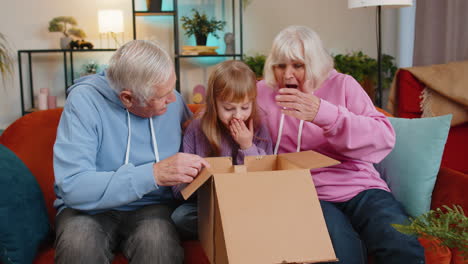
x=302, y=105
x=240, y=133
x=177, y=169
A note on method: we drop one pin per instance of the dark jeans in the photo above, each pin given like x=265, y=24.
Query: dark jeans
x=146, y=235
x=185, y=218
x=363, y=223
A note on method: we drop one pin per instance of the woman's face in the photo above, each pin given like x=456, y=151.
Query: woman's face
x=229, y=110
x=290, y=74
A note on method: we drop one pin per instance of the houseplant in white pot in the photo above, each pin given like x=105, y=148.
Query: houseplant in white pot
x=66, y=25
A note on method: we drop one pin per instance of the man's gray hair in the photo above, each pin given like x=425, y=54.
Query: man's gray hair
x=299, y=43
x=138, y=66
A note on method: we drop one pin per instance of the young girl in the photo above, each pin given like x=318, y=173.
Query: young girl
x=228, y=126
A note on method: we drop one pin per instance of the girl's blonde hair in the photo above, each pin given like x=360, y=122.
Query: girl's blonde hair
x=299, y=43
x=231, y=81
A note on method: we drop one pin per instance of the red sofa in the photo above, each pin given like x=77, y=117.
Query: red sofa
x=453, y=176
x=32, y=136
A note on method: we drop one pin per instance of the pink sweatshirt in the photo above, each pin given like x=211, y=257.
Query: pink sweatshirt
x=347, y=128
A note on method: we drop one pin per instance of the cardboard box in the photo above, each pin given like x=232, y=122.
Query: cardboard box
x=265, y=211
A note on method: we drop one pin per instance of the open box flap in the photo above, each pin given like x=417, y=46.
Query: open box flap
x=308, y=159
x=217, y=165
x=272, y=217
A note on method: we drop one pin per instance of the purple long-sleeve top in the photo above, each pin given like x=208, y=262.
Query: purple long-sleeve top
x=195, y=142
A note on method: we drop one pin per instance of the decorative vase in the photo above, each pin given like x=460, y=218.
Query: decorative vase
x=229, y=40
x=201, y=39
x=65, y=42
x=434, y=252
x=154, y=5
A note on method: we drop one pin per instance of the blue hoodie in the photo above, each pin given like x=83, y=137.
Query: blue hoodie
x=92, y=140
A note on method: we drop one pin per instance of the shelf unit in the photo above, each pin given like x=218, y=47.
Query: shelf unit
x=235, y=5
x=67, y=63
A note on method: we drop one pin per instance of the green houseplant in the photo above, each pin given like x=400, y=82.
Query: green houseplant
x=6, y=59
x=256, y=64
x=449, y=226
x=364, y=69
x=66, y=25
x=200, y=26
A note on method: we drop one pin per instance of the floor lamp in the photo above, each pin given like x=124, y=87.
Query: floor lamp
x=379, y=4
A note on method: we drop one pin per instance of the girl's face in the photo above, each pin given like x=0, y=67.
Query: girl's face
x=290, y=75
x=229, y=110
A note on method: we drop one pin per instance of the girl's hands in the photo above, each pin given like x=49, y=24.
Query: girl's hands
x=302, y=105
x=242, y=134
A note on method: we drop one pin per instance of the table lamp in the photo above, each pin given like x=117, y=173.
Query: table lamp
x=111, y=24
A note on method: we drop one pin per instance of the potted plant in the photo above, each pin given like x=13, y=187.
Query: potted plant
x=256, y=64
x=364, y=69
x=89, y=68
x=65, y=24
x=200, y=26
x=447, y=227
x=6, y=59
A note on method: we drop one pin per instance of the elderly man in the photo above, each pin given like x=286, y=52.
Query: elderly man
x=115, y=156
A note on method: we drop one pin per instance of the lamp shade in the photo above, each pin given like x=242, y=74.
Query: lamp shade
x=110, y=21
x=383, y=3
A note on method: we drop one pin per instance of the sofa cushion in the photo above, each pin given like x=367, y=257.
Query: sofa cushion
x=456, y=149
x=23, y=215
x=32, y=138
x=409, y=93
x=410, y=170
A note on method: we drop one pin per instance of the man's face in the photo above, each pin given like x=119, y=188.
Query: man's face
x=157, y=105
x=229, y=110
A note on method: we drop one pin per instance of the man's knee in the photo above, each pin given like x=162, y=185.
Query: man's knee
x=80, y=240
x=154, y=239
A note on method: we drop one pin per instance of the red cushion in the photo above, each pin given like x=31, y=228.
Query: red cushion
x=456, y=148
x=449, y=189
x=408, y=89
x=32, y=138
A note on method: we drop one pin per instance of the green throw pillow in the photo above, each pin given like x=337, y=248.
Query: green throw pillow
x=23, y=214
x=411, y=169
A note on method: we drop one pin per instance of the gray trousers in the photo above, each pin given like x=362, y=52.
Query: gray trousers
x=146, y=235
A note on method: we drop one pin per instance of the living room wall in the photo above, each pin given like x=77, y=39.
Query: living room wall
x=25, y=22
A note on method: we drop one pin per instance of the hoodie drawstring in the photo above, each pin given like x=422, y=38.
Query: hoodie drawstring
x=280, y=132
x=127, y=153
x=153, y=137
x=155, y=143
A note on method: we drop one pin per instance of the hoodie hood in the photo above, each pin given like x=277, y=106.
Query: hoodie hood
x=101, y=84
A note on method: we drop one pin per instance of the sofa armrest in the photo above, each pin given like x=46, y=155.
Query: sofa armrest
x=450, y=189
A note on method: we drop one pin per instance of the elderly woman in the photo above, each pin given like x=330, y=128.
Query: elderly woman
x=310, y=106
